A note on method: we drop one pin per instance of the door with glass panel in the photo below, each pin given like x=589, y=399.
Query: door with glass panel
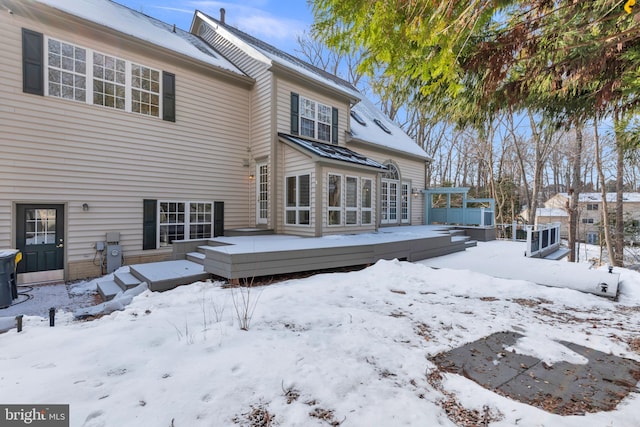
x=40, y=237
x=389, y=202
x=262, y=190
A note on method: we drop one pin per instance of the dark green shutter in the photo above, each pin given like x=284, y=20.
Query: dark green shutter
x=218, y=219
x=334, y=125
x=168, y=96
x=32, y=62
x=149, y=224
x=295, y=107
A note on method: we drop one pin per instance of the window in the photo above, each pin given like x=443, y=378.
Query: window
x=404, y=203
x=313, y=119
x=382, y=126
x=67, y=70
x=184, y=220
x=40, y=226
x=109, y=81
x=592, y=206
x=351, y=200
x=145, y=90
x=389, y=194
x=366, y=201
x=262, y=187
x=200, y=220
x=334, y=202
x=84, y=75
x=298, y=197
x=587, y=220
x=358, y=118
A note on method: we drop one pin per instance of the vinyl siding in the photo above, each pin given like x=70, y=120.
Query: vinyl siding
x=410, y=170
x=62, y=151
x=261, y=129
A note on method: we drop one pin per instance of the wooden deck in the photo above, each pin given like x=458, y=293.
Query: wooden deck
x=243, y=257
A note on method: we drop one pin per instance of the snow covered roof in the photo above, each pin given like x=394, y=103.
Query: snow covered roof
x=368, y=124
x=128, y=21
x=597, y=197
x=333, y=152
x=551, y=212
x=277, y=56
x=372, y=131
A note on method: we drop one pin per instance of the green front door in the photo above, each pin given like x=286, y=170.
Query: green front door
x=40, y=237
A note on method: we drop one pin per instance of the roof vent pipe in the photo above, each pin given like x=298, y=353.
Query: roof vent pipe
x=222, y=13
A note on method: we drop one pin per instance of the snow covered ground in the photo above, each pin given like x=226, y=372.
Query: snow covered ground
x=348, y=348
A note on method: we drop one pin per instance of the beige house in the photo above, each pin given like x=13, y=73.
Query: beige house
x=312, y=130
x=550, y=216
x=590, y=212
x=114, y=122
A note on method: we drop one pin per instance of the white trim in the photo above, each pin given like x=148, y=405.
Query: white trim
x=405, y=197
x=297, y=208
x=348, y=208
x=258, y=181
x=187, y=219
x=89, y=78
x=339, y=207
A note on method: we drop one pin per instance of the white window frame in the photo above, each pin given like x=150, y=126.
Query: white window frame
x=76, y=75
x=186, y=223
x=332, y=209
x=262, y=192
x=351, y=209
x=89, y=78
x=405, y=202
x=313, y=111
x=364, y=209
x=296, y=207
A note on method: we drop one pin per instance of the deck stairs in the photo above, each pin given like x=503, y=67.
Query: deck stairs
x=458, y=235
x=159, y=276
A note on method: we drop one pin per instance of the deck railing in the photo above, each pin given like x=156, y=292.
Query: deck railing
x=542, y=239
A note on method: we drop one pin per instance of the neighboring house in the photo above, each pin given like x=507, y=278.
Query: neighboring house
x=550, y=216
x=113, y=121
x=590, y=212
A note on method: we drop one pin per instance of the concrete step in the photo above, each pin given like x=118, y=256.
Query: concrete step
x=559, y=254
x=126, y=280
x=197, y=257
x=108, y=289
x=161, y=276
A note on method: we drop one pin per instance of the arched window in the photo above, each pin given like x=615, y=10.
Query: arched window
x=392, y=172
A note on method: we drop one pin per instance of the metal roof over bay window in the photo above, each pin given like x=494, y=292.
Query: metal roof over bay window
x=331, y=152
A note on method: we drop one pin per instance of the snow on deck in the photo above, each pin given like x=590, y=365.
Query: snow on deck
x=277, y=242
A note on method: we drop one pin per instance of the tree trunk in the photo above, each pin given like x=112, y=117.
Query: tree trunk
x=619, y=252
x=574, y=193
x=605, y=206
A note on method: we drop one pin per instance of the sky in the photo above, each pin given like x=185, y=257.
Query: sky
x=277, y=22
x=349, y=349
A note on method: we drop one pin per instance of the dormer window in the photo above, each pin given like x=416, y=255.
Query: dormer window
x=357, y=118
x=382, y=126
